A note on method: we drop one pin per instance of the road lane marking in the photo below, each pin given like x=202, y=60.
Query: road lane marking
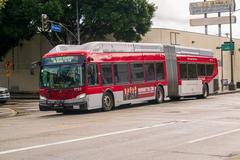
x=213, y=136
x=86, y=138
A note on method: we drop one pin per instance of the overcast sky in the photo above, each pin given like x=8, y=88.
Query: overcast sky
x=175, y=14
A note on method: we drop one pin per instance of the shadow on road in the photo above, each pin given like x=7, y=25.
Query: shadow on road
x=122, y=107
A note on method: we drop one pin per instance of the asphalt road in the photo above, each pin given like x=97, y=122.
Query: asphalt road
x=206, y=129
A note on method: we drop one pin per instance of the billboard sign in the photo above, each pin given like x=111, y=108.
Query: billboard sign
x=212, y=21
x=215, y=6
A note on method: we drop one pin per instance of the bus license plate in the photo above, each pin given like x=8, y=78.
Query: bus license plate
x=76, y=107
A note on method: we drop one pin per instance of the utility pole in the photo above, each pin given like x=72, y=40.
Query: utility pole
x=219, y=26
x=231, y=85
x=78, y=27
x=206, y=27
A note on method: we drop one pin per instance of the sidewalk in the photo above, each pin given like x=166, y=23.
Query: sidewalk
x=227, y=92
x=6, y=111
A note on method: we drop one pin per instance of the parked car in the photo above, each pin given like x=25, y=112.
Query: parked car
x=4, y=95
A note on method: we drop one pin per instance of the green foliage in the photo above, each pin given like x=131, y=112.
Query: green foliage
x=2, y=3
x=19, y=20
x=125, y=20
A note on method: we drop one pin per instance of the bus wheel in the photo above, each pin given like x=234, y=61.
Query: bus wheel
x=205, y=91
x=159, y=95
x=107, y=101
x=59, y=111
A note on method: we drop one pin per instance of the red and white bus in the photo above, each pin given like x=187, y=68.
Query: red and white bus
x=109, y=74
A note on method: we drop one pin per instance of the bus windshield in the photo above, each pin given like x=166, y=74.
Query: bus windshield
x=62, y=76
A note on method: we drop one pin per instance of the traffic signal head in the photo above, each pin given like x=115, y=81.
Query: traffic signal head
x=44, y=19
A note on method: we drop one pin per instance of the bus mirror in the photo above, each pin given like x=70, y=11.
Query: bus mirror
x=89, y=59
x=33, y=66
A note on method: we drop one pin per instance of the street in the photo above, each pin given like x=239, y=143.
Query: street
x=189, y=129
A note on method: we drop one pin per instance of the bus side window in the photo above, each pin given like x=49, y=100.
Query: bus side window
x=183, y=71
x=106, y=74
x=201, y=70
x=121, y=73
x=210, y=69
x=192, y=71
x=150, y=74
x=137, y=74
x=160, y=71
x=92, y=74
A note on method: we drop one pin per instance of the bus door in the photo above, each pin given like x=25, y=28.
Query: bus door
x=191, y=85
x=94, y=90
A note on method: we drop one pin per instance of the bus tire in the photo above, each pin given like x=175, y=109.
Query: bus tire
x=107, y=101
x=59, y=111
x=205, y=91
x=159, y=95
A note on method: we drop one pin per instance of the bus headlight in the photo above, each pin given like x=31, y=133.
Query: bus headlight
x=43, y=98
x=81, y=96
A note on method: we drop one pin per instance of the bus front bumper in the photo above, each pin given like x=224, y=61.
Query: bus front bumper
x=61, y=106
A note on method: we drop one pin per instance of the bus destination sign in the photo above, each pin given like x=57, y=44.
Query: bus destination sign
x=63, y=59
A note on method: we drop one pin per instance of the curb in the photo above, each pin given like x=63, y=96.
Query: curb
x=7, y=112
x=234, y=157
x=227, y=92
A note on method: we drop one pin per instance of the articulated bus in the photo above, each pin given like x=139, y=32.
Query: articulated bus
x=104, y=75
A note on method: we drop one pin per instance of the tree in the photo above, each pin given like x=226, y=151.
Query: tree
x=2, y=3
x=125, y=20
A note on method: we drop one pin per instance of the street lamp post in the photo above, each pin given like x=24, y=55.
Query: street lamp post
x=231, y=85
x=222, y=67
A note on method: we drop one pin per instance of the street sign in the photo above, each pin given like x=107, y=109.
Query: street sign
x=227, y=46
x=212, y=21
x=216, y=6
x=56, y=28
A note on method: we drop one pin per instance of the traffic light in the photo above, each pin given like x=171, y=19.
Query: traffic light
x=8, y=68
x=45, y=22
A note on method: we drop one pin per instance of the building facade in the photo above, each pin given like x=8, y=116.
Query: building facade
x=197, y=40
x=21, y=57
